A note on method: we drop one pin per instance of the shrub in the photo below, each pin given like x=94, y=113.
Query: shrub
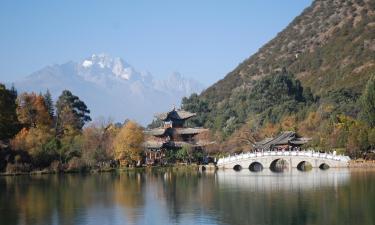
x=56, y=166
x=76, y=164
x=18, y=168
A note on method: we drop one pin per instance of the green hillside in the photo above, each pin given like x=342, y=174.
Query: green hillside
x=321, y=62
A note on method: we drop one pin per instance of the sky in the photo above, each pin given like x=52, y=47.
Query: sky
x=201, y=39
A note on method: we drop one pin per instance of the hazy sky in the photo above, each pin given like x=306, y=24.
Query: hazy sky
x=202, y=39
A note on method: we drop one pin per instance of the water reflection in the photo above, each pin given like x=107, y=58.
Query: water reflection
x=188, y=197
x=286, y=181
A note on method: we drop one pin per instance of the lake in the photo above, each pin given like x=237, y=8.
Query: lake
x=334, y=196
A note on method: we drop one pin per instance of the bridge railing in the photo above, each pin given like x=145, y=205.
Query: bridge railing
x=251, y=155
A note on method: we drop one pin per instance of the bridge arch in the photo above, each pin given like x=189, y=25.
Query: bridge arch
x=255, y=167
x=279, y=165
x=324, y=166
x=304, y=166
x=237, y=167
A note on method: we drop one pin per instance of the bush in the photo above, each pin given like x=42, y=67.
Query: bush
x=18, y=168
x=76, y=164
x=370, y=156
x=56, y=166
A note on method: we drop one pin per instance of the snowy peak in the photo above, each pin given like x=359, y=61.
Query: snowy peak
x=105, y=65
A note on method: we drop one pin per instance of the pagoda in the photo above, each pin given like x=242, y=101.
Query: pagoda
x=171, y=135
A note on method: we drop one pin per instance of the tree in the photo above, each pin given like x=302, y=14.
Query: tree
x=97, y=143
x=243, y=139
x=9, y=124
x=36, y=137
x=368, y=102
x=49, y=103
x=128, y=144
x=38, y=143
x=371, y=138
x=26, y=111
x=185, y=153
x=71, y=113
x=32, y=111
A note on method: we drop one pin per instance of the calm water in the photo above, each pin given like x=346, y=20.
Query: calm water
x=226, y=197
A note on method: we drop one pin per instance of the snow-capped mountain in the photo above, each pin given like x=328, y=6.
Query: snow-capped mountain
x=111, y=87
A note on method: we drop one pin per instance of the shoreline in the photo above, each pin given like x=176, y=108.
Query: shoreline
x=353, y=164
x=361, y=164
x=111, y=170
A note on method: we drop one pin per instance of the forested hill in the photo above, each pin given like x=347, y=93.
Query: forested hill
x=324, y=56
x=331, y=45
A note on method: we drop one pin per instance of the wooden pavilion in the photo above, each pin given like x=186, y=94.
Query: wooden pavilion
x=172, y=135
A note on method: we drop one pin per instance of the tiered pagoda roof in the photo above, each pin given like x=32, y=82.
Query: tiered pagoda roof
x=173, y=134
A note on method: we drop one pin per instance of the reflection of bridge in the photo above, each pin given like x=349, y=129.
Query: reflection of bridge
x=294, y=159
x=291, y=180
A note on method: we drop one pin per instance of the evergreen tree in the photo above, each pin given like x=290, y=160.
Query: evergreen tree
x=368, y=102
x=9, y=125
x=49, y=103
x=71, y=113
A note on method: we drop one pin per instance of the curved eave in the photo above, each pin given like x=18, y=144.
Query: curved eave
x=155, y=132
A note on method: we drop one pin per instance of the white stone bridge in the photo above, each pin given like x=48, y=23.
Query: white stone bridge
x=256, y=161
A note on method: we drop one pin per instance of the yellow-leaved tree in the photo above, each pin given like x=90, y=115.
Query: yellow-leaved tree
x=128, y=144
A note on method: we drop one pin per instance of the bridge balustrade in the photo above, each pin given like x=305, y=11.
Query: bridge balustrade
x=309, y=153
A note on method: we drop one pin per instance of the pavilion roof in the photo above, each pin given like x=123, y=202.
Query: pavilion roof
x=195, y=130
x=155, y=132
x=181, y=131
x=175, y=114
x=180, y=144
x=287, y=137
x=153, y=144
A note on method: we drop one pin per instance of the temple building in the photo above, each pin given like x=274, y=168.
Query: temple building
x=288, y=140
x=171, y=136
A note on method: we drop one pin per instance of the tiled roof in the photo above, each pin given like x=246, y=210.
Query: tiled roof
x=155, y=132
x=153, y=144
x=175, y=114
x=161, y=131
x=196, y=130
x=287, y=137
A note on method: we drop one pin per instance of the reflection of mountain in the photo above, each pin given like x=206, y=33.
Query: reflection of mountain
x=111, y=87
x=286, y=181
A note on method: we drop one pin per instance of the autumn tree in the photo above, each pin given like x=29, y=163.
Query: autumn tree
x=38, y=143
x=26, y=110
x=36, y=137
x=97, y=142
x=243, y=139
x=32, y=111
x=128, y=144
x=9, y=125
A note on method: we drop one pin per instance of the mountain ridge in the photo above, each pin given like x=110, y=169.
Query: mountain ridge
x=111, y=87
x=329, y=48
